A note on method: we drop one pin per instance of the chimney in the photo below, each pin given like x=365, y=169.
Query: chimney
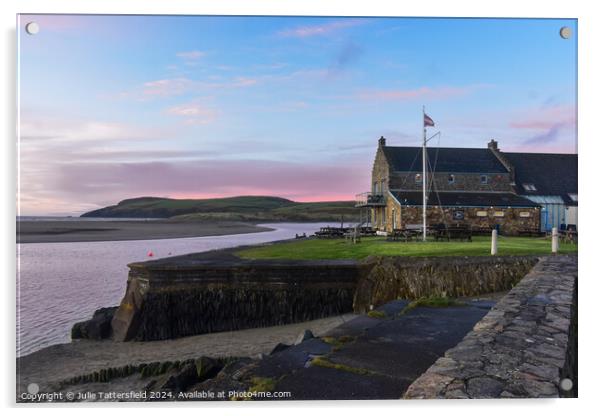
x=382, y=142
x=492, y=145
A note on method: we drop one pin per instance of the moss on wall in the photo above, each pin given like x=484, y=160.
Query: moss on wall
x=393, y=278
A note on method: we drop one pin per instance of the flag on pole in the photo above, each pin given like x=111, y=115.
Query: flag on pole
x=428, y=121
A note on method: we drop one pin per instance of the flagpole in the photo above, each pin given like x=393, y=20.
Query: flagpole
x=424, y=177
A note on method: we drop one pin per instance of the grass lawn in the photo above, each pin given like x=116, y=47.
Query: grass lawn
x=311, y=249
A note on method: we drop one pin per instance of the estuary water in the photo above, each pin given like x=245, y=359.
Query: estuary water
x=59, y=284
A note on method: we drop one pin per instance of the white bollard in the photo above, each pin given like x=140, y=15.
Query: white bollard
x=493, y=242
x=554, y=240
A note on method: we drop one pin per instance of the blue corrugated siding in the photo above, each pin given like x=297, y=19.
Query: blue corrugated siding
x=553, y=210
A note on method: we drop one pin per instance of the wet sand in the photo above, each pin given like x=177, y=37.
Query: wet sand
x=82, y=231
x=59, y=362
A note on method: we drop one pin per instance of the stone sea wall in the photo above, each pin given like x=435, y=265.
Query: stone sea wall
x=526, y=346
x=190, y=295
x=182, y=297
x=391, y=278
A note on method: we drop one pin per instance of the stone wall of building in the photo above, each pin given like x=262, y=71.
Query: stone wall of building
x=498, y=182
x=526, y=346
x=379, y=184
x=390, y=278
x=380, y=171
x=511, y=220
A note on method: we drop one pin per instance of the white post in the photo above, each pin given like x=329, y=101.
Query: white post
x=494, y=242
x=554, y=240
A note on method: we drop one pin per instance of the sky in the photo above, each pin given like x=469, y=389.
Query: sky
x=115, y=107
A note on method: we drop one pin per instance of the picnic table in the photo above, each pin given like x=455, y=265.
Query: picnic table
x=569, y=236
x=353, y=235
x=453, y=233
x=530, y=232
x=367, y=231
x=405, y=234
x=331, y=232
x=481, y=230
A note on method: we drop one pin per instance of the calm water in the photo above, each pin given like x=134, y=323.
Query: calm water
x=60, y=284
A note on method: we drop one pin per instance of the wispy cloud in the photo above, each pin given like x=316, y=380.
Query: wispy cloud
x=548, y=124
x=167, y=87
x=74, y=130
x=191, y=55
x=194, y=113
x=428, y=93
x=349, y=53
x=548, y=136
x=242, y=82
x=321, y=29
x=545, y=118
x=178, y=86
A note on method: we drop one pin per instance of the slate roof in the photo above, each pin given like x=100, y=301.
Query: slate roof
x=551, y=174
x=465, y=199
x=448, y=159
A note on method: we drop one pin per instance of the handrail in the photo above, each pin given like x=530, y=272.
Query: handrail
x=370, y=198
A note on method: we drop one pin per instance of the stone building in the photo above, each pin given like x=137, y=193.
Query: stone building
x=481, y=188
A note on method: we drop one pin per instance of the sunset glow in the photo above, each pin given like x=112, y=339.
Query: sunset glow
x=115, y=107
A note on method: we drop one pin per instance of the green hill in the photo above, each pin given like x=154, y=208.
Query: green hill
x=240, y=208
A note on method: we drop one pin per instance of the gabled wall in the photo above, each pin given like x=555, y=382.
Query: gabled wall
x=380, y=170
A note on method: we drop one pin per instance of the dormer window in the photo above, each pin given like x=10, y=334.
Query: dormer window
x=529, y=187
x=451, y=179
x=418, y=178
x=573, y=197
x=484, y=179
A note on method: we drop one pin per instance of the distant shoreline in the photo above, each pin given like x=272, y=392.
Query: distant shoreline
x=49, y=231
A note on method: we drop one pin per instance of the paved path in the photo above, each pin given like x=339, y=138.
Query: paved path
x=365, y=358
x=524, y=347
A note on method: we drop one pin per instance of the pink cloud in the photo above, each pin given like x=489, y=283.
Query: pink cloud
x=320, y=30
x=546, y=118
x=428, y=93
x=167, y=87
x=243, y=82
x=548, y=127
x=193, y=113
x=102, y=183
x=178, y=86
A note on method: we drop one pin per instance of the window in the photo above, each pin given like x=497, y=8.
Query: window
x=573, y=197
x=484, y=179
x=498, y=214
x=418, y=178
x=525, y=214
x=481, y=213
x=451, y=179
x=529, y=187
